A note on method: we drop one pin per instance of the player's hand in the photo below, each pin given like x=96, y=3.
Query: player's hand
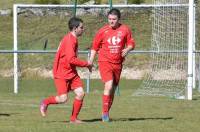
x=90, y=65
x=124, y=52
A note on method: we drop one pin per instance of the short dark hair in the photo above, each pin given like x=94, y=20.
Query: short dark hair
x=115, y=11
x=74, y=22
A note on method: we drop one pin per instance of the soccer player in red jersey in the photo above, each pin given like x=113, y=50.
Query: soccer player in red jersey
x=112, y=43
x=65, y=74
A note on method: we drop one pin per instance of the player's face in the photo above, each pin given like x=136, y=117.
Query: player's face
x=113, y=20
x=80, y=29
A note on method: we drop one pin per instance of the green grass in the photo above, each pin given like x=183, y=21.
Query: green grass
x=20, y=113
x=6, y=32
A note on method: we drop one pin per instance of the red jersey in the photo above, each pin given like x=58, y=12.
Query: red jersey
x=66, y=60
x=110, y=43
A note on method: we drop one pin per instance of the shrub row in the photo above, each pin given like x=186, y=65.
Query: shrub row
x=84, y=1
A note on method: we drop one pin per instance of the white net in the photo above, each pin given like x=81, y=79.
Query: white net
x=168, y=69
x=197, y=19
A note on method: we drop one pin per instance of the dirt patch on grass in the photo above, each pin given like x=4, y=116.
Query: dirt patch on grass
x=128, y=73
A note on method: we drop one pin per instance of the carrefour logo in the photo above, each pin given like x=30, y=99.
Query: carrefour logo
x=115, y=40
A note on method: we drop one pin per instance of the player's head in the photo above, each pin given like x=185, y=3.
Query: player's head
x=76, y=25
x=113, y=17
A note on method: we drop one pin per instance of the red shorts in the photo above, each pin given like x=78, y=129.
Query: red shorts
x=110, y=71
x=63, y=86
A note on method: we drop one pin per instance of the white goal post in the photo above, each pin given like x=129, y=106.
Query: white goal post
x=190, y=50
x=191, y=26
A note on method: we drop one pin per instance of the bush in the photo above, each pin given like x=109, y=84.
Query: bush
x=97, y=2
x=101, y=1
x=135, y=1
x=82, y=1
x=47, y=1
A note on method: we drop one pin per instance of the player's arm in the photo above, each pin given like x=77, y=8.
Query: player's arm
x=126, y=50
x=95, y=46
x=130, y=43
x=70, y=51
x=78, y=62
x=92, y=55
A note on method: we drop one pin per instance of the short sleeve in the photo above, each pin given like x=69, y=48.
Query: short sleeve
x=129, y=38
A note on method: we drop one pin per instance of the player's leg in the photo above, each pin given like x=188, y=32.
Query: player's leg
x=106, y=98
x=112, y=95
x=62, y=88
x=77, y=87
x=117, y=68
x=107, y=77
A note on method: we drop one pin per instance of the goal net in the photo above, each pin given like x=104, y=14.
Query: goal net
x=197, y=46
x=168, y=67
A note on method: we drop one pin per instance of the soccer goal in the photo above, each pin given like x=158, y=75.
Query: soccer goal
x=171, y=71
x=39, y=28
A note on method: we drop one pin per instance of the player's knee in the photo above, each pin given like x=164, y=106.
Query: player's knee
x=108, y=88
x=80, y=95
x=62, y=98
x=107, y=92
x=109, y=85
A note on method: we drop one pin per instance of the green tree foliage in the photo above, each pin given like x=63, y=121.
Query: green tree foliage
x=47, y=1
x=135, y=1
x=97, y=1
x=82, y=1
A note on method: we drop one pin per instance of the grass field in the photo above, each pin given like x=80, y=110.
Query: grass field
x=20, y=113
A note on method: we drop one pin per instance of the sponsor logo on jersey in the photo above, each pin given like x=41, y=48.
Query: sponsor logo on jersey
x=115, y=40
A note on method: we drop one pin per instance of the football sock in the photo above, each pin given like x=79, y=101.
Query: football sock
x=50, y=100
x=105, y=106
x=76, y=109
x=110, y=102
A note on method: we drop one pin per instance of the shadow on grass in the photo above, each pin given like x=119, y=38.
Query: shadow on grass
x=118, y=119
x=4, y=114
x=141, y=119
x=130, y=119
x=57, y=121
x=93, y=120
x=8, y=114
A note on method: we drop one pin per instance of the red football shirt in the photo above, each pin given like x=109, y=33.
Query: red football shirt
x=110, y=42
x=66, y=60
